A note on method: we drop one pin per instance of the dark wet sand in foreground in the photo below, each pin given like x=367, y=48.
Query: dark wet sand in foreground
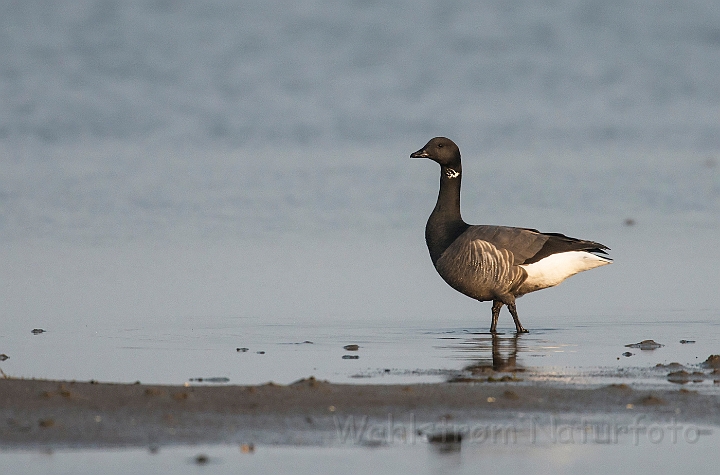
x=38, y=413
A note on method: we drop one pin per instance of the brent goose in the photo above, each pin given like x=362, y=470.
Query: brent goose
x=497, y=263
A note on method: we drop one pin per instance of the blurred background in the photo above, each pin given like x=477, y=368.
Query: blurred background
x=177, y=166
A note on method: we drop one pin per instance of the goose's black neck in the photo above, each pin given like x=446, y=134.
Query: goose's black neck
x=445, y=223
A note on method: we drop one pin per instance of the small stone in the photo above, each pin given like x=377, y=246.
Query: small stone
x=350, y=357
x=3, y=357
x=627, y=354
x=215, y=379
x=619, y=387
x=713, y=361
x=37, y=331
x=645, y=345
x=45, y=423
x=241, y=350
x=445, y=437
x=202, y=459
x=685, y=342
x=351, y=347
x=651, y=400
x=511, y=395
x=260, y=352
x=311, y=382
x=697, y=377
x=247, y=448
x=683, y=377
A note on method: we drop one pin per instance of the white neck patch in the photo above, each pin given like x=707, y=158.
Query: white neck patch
x=450, y=173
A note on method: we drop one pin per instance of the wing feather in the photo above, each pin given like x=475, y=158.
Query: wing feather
x=528, y=245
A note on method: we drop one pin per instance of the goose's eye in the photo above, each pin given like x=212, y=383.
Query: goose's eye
x=440, y=145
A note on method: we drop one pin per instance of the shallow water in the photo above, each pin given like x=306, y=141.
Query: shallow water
x=387, y=354
x=168, y=312
x=543, y=456
x=168, y=315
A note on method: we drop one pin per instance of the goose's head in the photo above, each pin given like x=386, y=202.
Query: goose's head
x=441, y=150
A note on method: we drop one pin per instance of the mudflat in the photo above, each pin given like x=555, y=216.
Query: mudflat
x=37, y=413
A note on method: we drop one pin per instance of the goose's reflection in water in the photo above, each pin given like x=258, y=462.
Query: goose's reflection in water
x=490, y=354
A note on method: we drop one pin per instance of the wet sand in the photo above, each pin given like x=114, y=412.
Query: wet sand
x=53, y=414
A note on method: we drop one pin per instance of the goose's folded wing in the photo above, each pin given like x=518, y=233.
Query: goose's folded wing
x=527, y=245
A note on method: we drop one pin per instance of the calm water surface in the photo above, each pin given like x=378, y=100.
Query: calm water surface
x=515, y=458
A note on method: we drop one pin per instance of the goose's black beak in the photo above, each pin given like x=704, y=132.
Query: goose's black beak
x=420, y=154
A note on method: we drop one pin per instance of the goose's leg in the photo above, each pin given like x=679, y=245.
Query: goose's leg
x=497, y=305
x=513, y=311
